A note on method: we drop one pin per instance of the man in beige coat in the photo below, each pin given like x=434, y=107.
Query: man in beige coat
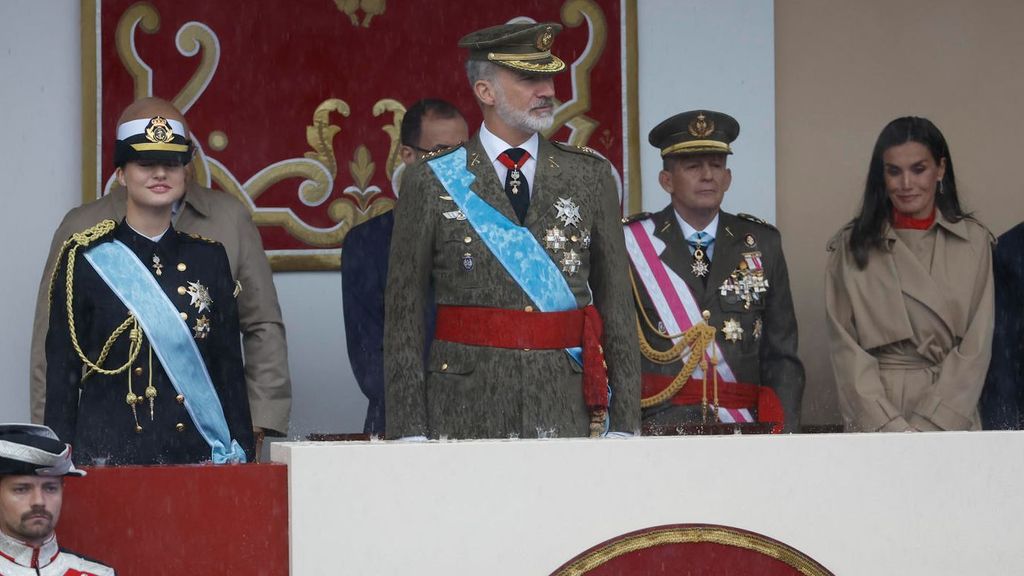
x=219, y=216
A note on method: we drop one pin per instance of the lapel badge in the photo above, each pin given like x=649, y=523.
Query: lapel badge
x=474, y=160
x=732, y=330
x=749, y=241
x=758, y=327
x=202, y=328
x=467, y=262
x=200, y=296
x=454, y=215
x=158, y=267
x=568, y=212
x=551, y=161
x=554, y=239
x=570, y=262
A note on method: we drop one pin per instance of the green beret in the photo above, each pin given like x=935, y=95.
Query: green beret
x=695, y=132
x=524, y=47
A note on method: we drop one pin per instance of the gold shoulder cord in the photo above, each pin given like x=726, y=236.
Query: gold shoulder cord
x=81, y=240
x=696, y=339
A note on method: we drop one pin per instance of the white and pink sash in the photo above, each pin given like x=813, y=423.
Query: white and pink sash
x=674, y=301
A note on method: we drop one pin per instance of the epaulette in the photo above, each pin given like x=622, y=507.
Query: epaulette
x=93, y=233
x=636, y=217
x=200, y=238
x=443, y=152
x=754, y=219
x=991, y=237
x=585, y=150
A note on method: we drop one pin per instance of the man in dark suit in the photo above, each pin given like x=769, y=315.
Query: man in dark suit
x=1002, y=400
x=523, y=272
x=711, y=282
x=429, y=125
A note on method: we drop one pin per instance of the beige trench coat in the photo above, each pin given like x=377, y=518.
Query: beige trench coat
x=910, y=346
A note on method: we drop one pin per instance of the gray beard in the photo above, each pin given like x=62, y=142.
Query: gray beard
x=521, y=119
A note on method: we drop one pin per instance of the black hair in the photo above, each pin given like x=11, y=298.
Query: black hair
x=876, y=208
x=412, y=122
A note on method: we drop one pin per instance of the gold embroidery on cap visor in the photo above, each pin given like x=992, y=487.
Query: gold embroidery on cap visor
x=525, y=62
x=697, y=146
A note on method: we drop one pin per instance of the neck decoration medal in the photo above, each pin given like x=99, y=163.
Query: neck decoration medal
x=700, y=263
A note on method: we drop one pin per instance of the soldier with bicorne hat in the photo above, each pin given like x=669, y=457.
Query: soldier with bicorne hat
x=520, y=238
x=717, y=328
x=33, y=464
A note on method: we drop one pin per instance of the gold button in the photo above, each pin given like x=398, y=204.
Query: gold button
x=138, y=370
x=184, y=315
x=179, y=427
x=180, y=399
x=444, y=366
x=182, y=267
x=467, y=239
x=181, y=290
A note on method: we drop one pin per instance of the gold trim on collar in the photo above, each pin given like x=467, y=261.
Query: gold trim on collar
x=701, y=145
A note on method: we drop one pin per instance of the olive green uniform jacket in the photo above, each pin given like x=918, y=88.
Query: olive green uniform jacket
x=483, y=392
x=766, y=352
x=911, y=342
x=218, y=216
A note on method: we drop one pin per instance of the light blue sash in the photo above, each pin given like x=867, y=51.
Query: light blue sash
x=170, y=338
x=513, y=245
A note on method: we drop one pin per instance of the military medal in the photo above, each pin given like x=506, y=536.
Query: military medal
x=515, y=178
x=467, y=262
x=568, y=212
x=554, y=239
x=570, y=262
x=158, y=266
x=200, y=296
x=202, y=328
x=732, y=330
x=758, y=327
x=454, y=215
x=700, y=265
x=585, y=240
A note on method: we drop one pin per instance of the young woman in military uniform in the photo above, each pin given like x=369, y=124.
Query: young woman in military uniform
x=144, y=361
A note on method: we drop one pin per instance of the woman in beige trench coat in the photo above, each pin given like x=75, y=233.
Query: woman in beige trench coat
x=909, y=293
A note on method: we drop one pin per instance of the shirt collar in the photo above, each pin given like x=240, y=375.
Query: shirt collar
x=688, y=231
x=494, y=145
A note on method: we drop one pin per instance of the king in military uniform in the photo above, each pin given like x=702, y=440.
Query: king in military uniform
x=144, y=363
x=520, y=239
x=716, y=323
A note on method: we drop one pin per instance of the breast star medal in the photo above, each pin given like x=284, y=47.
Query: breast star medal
x=554, y=239
x=732, y=330
x=568, y=212
x=570, y=262
x=200, y=296
x=202, y=328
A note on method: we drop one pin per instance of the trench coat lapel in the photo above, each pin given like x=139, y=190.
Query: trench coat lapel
x=677, y=252
x=916, y=281
x=486, y=184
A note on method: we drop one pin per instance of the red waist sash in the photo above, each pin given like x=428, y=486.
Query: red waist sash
x=502, y=328
x=730, y=395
